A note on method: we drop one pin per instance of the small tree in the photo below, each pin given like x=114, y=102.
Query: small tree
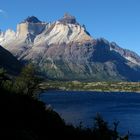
x=27, y=81
x=3, y=76
x=103, y=132
x=101, y=129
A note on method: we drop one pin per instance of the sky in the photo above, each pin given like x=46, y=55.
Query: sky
x=115, y=20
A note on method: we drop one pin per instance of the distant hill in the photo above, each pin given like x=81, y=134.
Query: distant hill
x=9, y=62
x=65, y=50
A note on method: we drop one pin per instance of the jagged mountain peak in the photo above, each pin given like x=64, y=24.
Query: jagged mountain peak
x=33, y=31
x=32, y=19
x=65, y=30
x=68, y=19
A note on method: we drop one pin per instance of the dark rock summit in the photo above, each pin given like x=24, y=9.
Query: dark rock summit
x=68, y=19
x=32, y=19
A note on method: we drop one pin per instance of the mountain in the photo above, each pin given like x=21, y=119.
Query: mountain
x=9, y=62
x=65, y=50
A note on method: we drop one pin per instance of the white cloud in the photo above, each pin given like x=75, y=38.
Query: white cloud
x=2, y=11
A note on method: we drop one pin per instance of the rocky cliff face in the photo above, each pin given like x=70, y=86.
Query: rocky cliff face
x=65, y=50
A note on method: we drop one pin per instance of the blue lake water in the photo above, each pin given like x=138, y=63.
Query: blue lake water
x=76, y=107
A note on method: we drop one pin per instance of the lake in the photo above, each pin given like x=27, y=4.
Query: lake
x=82, y=106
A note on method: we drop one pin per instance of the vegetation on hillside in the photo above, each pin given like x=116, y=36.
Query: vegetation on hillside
x=23, y=117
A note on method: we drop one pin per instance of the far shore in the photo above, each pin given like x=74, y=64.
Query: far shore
x=91, y=86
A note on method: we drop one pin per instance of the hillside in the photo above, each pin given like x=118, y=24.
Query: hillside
x=9, y=62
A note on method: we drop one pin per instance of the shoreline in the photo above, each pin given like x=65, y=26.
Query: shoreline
x=91, y=86
x=48, y=90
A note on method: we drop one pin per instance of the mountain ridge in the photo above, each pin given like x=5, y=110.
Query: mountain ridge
x=65, y=50
x=9, y=62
